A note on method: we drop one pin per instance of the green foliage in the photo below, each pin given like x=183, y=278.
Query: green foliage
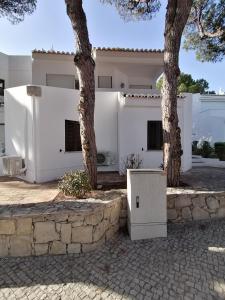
x=135, y=9
x=186, y=84
x=75, y=183
x=220, y=150
x=206, y=149
x=15, y=10
x=205, y=30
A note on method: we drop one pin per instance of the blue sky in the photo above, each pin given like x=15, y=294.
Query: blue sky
x=50, y=27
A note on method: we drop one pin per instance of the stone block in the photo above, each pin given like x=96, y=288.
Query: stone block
x=20, y=246
x=94, y=219
x=123, y=213
x=200, y=214
x=66, y=231
x=57, y=247
x=199, y=201
x=58, y=227
x=93, y=246
x=115, y=214
x=7, y=227
x=45, y=232
x=24, y=226
x=182, y=201
x=212, y=203
x=171, y=214
x=76, y=220
x=170, y=202
x=221, y=212
x=4, y=241
x=222, y=202
x=41, y=249
x=107, y=212
x=100, y=230
x=74, y=248
x=82, y=234
x=186, y=213
x=58, y=218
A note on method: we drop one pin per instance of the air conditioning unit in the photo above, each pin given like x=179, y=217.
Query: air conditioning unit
x=104, y=158
x=12, y=165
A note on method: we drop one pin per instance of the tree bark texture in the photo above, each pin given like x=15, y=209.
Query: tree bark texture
x=176, y=18
x=85, y=68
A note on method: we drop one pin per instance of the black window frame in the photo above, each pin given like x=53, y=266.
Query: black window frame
x=72, y=136
x=2, y=82
x=154, y=135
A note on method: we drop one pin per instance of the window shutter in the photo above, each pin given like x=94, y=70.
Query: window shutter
x=154, y=135
x=72, y=136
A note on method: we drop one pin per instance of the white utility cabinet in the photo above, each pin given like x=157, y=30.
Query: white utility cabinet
x=147, y=205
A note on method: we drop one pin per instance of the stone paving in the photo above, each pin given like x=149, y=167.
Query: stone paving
x=189, y=264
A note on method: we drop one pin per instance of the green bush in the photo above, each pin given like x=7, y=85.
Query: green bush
x=206, y=149
x=220, y=150
x=195, y=149
x=75, y=183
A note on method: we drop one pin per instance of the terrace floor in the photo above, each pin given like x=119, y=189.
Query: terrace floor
x=15, y=191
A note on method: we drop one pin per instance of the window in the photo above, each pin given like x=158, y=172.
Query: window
x=2, y=87
x=154, y=135
x=105, y=82
x=60, y=80
x=72, y=136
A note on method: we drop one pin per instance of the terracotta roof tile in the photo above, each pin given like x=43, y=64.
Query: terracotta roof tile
x=116, y=49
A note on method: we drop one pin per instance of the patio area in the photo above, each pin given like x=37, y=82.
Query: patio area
x=189, y=264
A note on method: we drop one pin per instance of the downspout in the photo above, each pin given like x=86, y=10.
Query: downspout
x=34, y=92
x=34, y=136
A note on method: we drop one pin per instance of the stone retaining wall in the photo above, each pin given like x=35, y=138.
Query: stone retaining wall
x=190, y=205
x=61, y=228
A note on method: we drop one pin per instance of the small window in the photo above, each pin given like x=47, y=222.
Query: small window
x=72, y=136
x=105, y=82
x=2, y=87
x=154, y=135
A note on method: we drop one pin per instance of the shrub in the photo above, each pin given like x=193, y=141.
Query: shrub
x=195, y=149
x=220, y=150
x=132, y=161
x=206, y=149
x=75, y=183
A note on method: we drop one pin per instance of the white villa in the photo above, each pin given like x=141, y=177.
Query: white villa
x=41, y=117
x=209, y=118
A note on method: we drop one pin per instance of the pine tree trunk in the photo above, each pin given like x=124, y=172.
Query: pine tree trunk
x=176, y=18
x=85, y=68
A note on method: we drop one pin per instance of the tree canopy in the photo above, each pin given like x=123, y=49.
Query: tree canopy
x=15, y=10
x=186, y=84
x=135, y=9
x=205, y=30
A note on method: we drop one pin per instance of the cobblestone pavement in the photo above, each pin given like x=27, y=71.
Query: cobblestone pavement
x=189, y=264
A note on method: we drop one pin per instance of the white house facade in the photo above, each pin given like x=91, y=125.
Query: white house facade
x=209, y=118
x=42, y=124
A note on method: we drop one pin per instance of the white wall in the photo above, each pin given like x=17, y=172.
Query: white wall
x=19, y=127
x=47, y=130
x=133, y=117
x=209, y=117
x=51, y=64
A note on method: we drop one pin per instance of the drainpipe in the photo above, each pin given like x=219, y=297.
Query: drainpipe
x=34, y=92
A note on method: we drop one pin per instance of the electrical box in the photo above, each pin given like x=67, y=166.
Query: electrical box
x=147, y=204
